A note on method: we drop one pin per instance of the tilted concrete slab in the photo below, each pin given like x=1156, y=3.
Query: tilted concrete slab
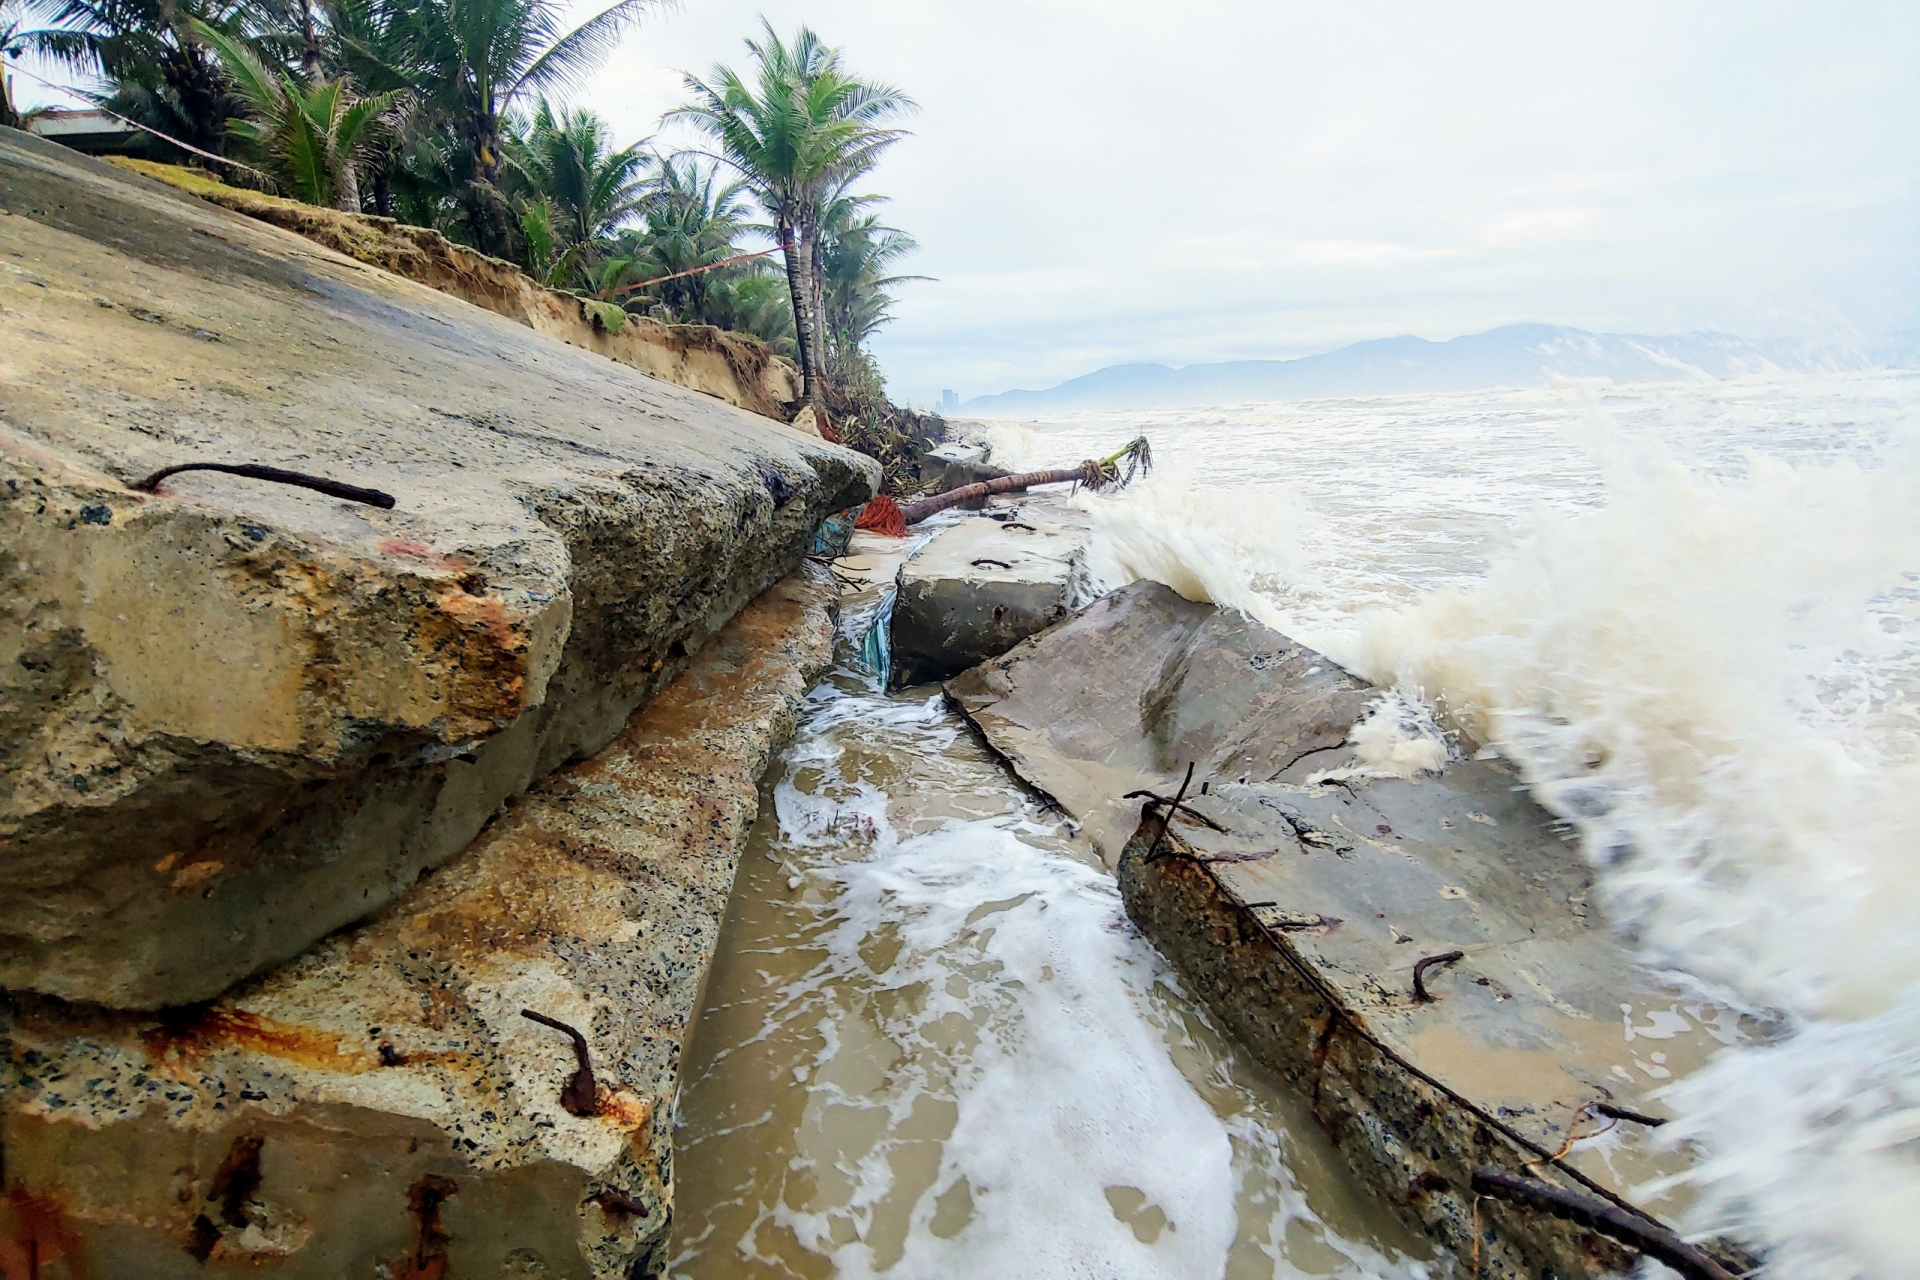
x=380, y=1107
x=1300, y=920
x=961, y=463
x=1150, y=682
x=740, y=370
x=985, y=583
x=239, y=715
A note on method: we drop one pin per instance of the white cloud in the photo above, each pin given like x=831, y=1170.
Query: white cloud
x=1104, y=180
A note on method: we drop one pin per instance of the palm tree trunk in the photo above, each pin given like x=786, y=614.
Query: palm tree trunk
x=309, y=44
x=915, y=512
x=799, y=254
x=818, y=294
x=8, y=116
x=190, y=73
x=349, y=198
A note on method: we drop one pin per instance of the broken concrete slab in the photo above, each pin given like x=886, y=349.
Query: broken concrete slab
x=1300, y=908
x=237, y=715
x=1156, y=682
x=983, y=584
x=960, y=464
x=380, y=1102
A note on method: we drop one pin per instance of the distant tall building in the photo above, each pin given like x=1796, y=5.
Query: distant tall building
x=949, y=402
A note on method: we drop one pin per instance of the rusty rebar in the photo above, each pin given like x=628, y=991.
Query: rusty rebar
x=1621, y=1113
x=580, y=1095
x=279, y=475
x=1173, y=806
x=1156, y=801
x=1425, y=963
x=1608, y=1219
x=614, y=1200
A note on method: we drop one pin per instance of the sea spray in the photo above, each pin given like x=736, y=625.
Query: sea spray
x=1703, y=677
x=1177, y=527
x=1706, y=655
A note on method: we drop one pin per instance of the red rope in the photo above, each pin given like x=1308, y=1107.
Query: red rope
x=882, y=515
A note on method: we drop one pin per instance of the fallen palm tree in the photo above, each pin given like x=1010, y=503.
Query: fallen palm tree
x=1095, y=473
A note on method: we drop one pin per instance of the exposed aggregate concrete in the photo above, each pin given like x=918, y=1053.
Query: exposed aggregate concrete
x=379, y=1107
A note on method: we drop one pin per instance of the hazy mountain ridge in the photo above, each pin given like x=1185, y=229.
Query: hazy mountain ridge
x=1513, y=355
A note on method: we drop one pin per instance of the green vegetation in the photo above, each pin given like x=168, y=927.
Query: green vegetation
x=451, y=114
x=798, y=133
x=313, y=135
x=11, y=45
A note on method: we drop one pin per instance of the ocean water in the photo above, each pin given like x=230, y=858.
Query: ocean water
x=934, y=1046
x=1691, y=614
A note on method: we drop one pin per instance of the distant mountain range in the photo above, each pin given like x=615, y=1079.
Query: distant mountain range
x=1517, y=355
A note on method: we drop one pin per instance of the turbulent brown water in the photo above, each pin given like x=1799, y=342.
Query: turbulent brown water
x=933, y=1045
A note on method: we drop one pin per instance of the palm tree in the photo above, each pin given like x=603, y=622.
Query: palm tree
x=693, y=221
x=802, y=130
x=471, y=60
x=856, y=263
x=753, y=300
x=9, y=48
x=579, y=189
x=311, y=137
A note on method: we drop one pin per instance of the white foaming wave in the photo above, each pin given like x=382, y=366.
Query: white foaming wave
x=1174, y=527
x=1067, y=1090
x=1210, y=534
x=1397, y=737
x=1704, y=676
x=1012, y=446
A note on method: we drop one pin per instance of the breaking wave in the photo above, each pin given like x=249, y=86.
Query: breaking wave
x=1697, y=632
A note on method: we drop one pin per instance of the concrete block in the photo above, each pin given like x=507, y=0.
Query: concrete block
x=1300, y=907
x=380, y=1106
x=238, y=715
x=983, y=584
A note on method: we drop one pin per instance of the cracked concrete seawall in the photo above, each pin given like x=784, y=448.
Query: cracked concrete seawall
x=380, y=1107
x=738, y=369
x=239, y=715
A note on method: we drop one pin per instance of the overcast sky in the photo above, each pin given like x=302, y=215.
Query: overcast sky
x=1098, y=181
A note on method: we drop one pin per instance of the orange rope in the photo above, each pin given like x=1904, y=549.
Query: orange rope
x=711, y=266
x=882, y=515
